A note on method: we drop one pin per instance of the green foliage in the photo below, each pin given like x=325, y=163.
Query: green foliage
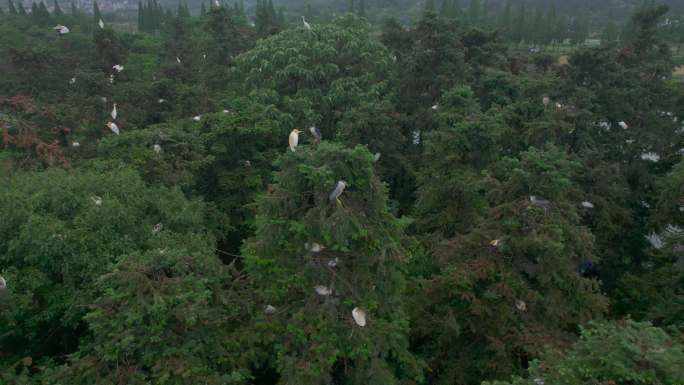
x=623, y=352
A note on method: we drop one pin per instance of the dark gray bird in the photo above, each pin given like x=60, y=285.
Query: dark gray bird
x=316, y=134
x=339, y=189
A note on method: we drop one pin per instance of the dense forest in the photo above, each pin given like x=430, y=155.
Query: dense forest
x=242, y=196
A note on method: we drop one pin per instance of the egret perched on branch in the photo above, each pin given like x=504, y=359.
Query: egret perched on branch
x=113, y=127
x=316, y=134
x=652, y=156
x=217, y=4
x=306, y=25
x=339, y=189
x=520, y=305
x=178, y=60
x=293, y=140
x=546, y=101
x=157, y=148
x=376, y=157
x=76, y=144
x=435, y=107
x=118, y=67
x=72, y=81
x=114, y=114
x=314, y=247
x=97, y=200
x=359, y=316
x=101, y=24
x=323, y=290
x=623, y=125
x=63, y=30
x=587, y=205
x=197, y=118
x=157, y=228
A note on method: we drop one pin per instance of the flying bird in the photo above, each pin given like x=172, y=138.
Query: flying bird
x=306, y=25
x=114, y=114
x=118, y=67
x=113, y=127
x=359, y=316
x=101, y=24
x=316, y=134
x=323, y=290
x=339, y=189
x=293, y=140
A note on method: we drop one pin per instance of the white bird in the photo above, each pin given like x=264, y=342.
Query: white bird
x=118, y=67
x=226, y=111
x=587, y=205
x=495, y=243
x=162, y=101
x=204, y=56
x=269, y=310
x=546, y=101
x=651, y=156
x=559, y=106
x=75, y=144
x=306, y=25
x=520, y=305
x=359, y=316
x=655, y=240
x=333, y=263
x=114, y=114
x=178, y=59
x=104, y=99
x=293, y=140
x=314, y=247
x=216, y=3
x=623, y=125
x=97, y=200
x=101, y=24
x=111, y=79
x=316, y=134
x=157, y=148
x=323, y=290
x=113, y=127
x=157, y=228
x=339, y=189
x=3, y=283
x=435, y=107
x=197, y=118
x=63, y=30
x=376, y=157
x=72, y=81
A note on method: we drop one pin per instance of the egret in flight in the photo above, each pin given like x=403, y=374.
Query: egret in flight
x=316, y=134
x=293, y=140
x=339, y=189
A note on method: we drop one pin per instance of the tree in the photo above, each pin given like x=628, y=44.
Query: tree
x=610, y=352
x=474, y=12
x=505, y=22
x=203, y=10
x=57, y=11
x=97, y=16
x=362, y=8
x=21, y=10
x=74, y=10
x=610, y=33
x=12, y=10
x=314, y=334
x=429, y=7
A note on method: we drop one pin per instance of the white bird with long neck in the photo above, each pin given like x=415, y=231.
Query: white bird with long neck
x=306, y=25
x=293, y=140
x=114, y=114
x=359, y=316
x=113, y=127
x=339, y=189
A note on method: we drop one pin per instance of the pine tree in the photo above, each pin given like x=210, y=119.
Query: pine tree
x=96, y=12
x=12, y=10
x=506, y=19
x=22, y=10
x=520, y=28
x=57, y=10
x=74, y=10
x=429, y=7
x=445, y=9
x=203, y=10
x=309, y=11
x=351, y=6
x=35, y=13
x=474, y=12
x=44, y=15
x=141, y=26
x=362, y=8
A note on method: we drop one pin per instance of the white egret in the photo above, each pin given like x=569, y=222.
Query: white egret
x=546, y=101
x=359, y=316
x=314, y=247
x=587, y=205
x=101, y=24
x=72, y=81
x=157, y=228
x=157, y=148
x=63, y=30
x=316, y=134
x=655, y=240
x=118, y=67
x=339, y=189
x=293, y=140
x=495, y=243
x=376, y=157
x=650, y=156
x=114, y=114
x=76, y=144
x=323, y=290
x=217, y=4
x=3, y=283
x=111, y=79
x=113, y=127
x=435, y=107
x=226, y=111
x=520, y=305
x=269, y=310
x=197, y=118
x=333, y=263
x=161, y=101
x=97, y=200
x=623, y=125
x=178, y=60
x=306, y=25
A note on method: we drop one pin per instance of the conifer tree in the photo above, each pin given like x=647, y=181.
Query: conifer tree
x=429, y=7
x=309, y=11
x=362, y=8
x=505, y=19
x=352, y=6
x=445, y=9
x=74, y=10
x=22, y=10
x=318, y=294
x=12, y=9
x=97, y=16
x=474, y=12
x=203, y=10
x=57, y=10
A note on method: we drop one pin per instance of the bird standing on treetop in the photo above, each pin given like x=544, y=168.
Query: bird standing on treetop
x=293, y=140
x=306, y=25
x=339, y=189
x=316, y=134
